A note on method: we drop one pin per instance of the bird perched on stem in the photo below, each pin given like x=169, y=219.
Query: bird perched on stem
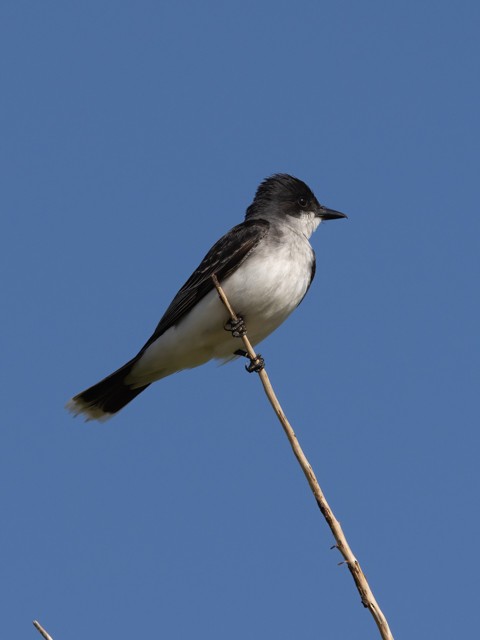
x=265, y=266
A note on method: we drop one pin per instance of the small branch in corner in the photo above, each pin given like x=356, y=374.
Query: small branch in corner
x=41, y=630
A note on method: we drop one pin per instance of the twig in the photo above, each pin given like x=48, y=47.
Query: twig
x=368, y=599
x=39, y=627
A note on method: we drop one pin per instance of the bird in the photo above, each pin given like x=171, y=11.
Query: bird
x=265, y=266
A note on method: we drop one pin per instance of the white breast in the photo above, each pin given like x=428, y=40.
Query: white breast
x=271, y=284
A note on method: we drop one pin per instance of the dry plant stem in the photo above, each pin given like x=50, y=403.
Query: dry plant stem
x=39, y=627
x=368, y=599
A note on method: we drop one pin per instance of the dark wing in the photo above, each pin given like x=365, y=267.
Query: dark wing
x=313, y=269
x=312, y=272
x=223, y=259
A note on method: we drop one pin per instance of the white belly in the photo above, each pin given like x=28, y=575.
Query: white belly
x=268, y=289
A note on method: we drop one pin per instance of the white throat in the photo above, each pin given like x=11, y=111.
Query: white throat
x=306, y=224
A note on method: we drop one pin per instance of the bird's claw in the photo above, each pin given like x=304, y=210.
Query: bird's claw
x=236, y=327
x=256, y=364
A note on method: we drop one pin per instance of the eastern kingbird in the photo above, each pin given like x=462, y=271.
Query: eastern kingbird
x=265, y=266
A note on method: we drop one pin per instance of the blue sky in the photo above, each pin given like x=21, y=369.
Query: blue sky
x=133, y=136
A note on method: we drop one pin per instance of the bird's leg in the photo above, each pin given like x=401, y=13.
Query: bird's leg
x=238, y=330
x=236, y=327
x=256, y=364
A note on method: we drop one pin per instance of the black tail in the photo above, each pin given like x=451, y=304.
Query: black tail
x=106, y=397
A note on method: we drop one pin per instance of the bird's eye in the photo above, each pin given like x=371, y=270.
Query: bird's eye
x=302, y=202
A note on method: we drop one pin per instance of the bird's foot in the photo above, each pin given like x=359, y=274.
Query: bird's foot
x=236, y=327
x=256, y=364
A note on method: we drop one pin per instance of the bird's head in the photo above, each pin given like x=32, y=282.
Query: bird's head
x=284, y=197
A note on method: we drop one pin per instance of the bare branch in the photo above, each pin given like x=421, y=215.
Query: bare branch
x=366, y=595
x=42, y=631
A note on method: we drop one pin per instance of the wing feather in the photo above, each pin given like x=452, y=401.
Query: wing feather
x=224, y=258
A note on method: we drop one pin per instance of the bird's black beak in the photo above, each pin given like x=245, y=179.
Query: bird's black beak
x=329, y=214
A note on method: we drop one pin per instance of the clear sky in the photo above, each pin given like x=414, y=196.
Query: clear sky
x=134, y=134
